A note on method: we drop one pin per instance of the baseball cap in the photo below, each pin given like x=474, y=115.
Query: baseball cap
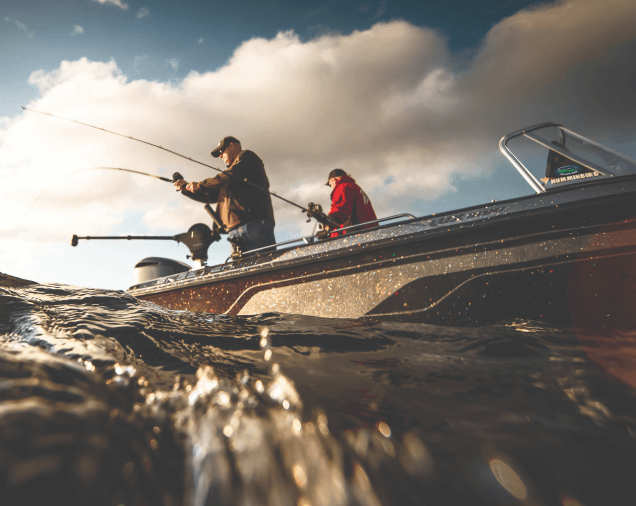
x=335, y=173
x=225, y=142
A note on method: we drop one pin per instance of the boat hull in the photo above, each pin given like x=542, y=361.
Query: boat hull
x=565, y=258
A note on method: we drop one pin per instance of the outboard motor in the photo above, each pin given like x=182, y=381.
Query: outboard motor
x=157, y=267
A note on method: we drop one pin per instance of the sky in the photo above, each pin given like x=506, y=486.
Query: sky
x=410, y=98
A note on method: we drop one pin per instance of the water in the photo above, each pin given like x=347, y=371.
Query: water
x=108, y=400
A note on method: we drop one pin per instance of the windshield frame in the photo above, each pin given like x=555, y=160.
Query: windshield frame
x=534, y=183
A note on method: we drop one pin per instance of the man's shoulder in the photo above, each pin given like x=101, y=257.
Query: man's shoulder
x=246, y=155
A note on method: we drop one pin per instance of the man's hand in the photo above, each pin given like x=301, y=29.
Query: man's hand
x=180, y=184
x=183, y=185
x=193, y=187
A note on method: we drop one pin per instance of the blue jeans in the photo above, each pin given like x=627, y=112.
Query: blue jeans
x=255, y=234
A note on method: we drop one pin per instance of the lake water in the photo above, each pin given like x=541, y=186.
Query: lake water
x=106, y=399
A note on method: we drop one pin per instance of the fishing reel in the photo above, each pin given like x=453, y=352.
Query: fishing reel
x=315, y=211
x=176, y=176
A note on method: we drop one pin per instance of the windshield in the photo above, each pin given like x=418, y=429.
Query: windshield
x=550, y=156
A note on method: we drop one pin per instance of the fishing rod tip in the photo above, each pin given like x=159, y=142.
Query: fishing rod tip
x=22, y=107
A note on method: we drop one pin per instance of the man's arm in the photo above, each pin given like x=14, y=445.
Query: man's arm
x=207, y=197
x=215, y=183
x=198, y=191
x=342, y=203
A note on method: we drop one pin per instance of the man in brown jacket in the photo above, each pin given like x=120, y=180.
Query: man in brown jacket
x=245, y=211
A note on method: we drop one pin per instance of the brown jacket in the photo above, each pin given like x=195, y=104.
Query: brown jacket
x=238, y=202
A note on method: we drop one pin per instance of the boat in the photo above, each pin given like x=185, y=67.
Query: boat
x=565, y=254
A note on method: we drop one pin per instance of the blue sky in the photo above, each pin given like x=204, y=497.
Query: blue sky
x=409, y=97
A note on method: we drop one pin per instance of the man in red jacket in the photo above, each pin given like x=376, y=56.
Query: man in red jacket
x=349, y=204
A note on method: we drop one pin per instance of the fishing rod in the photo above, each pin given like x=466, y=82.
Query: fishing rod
x=175, y=177
x=322, y=218
x=97, y=168
x=136, y=172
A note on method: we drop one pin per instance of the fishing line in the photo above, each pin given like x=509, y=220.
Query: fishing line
x=83, y=170
x=174, y=153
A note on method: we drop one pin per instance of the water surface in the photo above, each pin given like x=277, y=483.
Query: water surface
x=106, y=399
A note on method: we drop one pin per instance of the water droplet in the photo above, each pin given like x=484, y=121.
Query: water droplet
x=508, y=478
x=228, y=431
x=321, y=419
x=361, y=477
x=299, y=476
x=222, y=398
x=384, y=429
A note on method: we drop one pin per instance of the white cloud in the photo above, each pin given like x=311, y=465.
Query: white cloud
x=77, y=30
x=173, y=62
x=390, y=105
x=21, y=26
x=117, y=3
x=143, y=12
x=201, y=40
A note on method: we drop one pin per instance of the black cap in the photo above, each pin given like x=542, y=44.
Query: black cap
x=225, y=142
x=335, y=173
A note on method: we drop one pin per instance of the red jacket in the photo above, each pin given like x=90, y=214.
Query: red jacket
x=350, y=205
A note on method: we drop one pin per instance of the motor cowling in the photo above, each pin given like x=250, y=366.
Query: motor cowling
x=157, y=267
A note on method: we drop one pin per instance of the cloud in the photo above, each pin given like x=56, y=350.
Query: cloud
x=21, y=26
x=201, y=40
x=77, y=30
x=381, y=9
x=173, y=62
x=117, y=3
x=138, y=60
x=391, y=105
x=378, y=9
x=143, y=12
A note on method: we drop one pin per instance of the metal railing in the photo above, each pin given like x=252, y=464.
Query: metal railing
x=521, y=168
x=313, y=238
